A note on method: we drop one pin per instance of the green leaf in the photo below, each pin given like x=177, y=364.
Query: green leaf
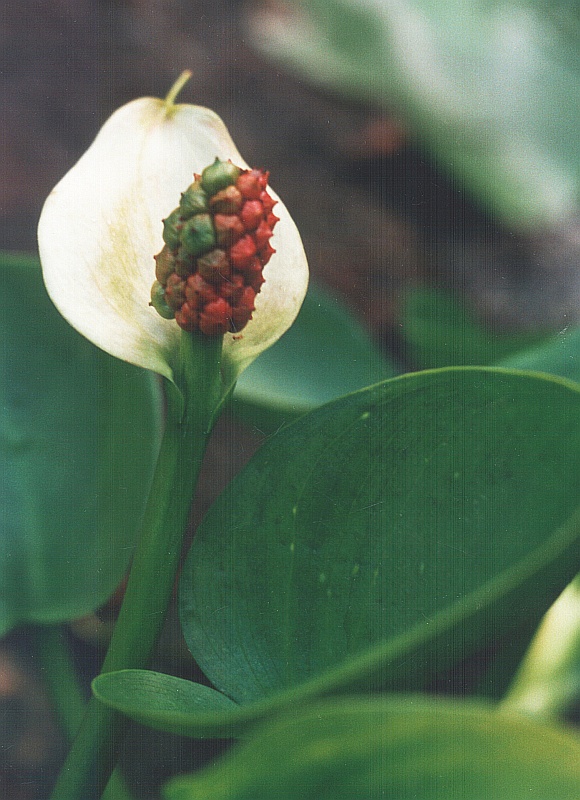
x=379, y=539
x=440, y=331
x=374, y=543
x=559, y=356
x=408, y=748
x=169, y=704
x=325, y=354
x=78, y=440
x=491, y=89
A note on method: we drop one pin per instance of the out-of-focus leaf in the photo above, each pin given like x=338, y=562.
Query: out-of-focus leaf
x=79, y=433
x=493, y=89
x=408, y=748
x=441, y=331
x=558, y=356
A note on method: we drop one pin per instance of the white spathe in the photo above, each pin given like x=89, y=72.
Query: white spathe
x=101, y=226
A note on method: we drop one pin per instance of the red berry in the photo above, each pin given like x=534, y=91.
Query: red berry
x=247, y=299
x=253, y=274
x=214, y=266
x=198, y=292
x=267, y=201
x=215, y=317
x=232, y=289
x=187, y=318
x=262, y=235
x=239, y=319
x=252, y=214
x=266, y=253
x=210, y=275
x=228, y=228
x=242, y=312
x=242, y=252
x=250, y=185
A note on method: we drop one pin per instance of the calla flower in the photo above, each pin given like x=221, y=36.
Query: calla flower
x=101, y=227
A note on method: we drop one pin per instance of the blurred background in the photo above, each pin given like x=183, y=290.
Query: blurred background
x=428, y=153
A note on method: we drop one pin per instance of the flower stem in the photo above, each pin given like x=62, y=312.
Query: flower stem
x=156, y=560
x=177, y=87
x=67, y=695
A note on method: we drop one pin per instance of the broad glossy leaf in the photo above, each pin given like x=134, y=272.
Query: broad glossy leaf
x=78, y=439
x=441, y=331
x=325, y=354
x=491, y=89
x=408, y=748
x=380, y=538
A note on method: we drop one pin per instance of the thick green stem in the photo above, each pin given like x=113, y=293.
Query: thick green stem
x=156, y=560
x=67, y=695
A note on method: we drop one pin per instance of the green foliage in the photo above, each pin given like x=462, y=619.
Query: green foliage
x=491, y=89
x=325, y=354
x=79, y=439
x=426, y=472
x=560, y=355
x=375, y=542
x=440, y=330
x=409, y=748
x=172, y=704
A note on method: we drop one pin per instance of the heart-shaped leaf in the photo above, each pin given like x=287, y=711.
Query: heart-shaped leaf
x=79, y=437
x=387, y=516
x=409, y=748
x=377, y=540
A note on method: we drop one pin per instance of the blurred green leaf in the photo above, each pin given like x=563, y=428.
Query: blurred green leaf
x=441, y=331
x=492, y=89
x=325, y=354
x=79, y=437
x=408, y=748
x=558, y=356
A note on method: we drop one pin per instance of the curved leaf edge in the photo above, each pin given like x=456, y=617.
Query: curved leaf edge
x=386, y=665
x=354, y=731
x=382, y=667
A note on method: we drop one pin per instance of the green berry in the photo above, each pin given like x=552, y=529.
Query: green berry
x=158, y=301
x=198, y=235
x=164, y=265
x=219, y=175
x=171, y=228
x=193, y=201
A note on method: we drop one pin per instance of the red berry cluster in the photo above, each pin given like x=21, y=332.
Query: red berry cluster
x=217, y=243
